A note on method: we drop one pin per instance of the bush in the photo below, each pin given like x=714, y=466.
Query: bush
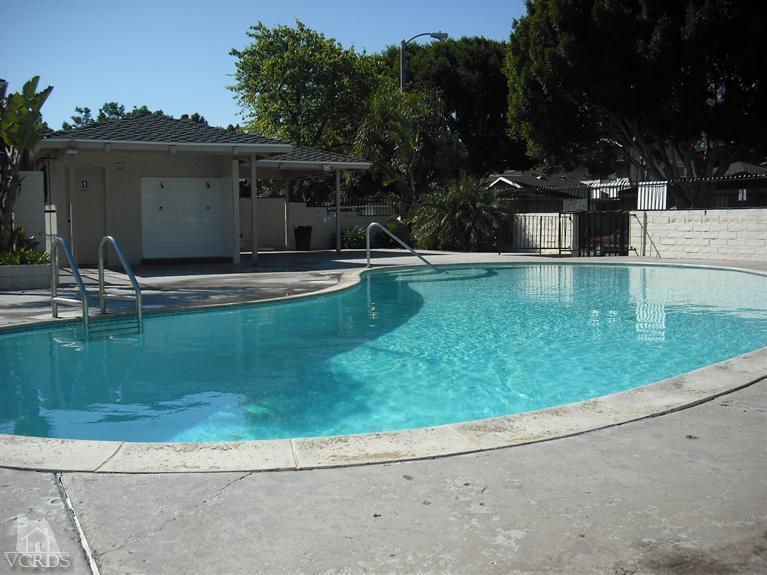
x=17, y=248
x=23, y=256
x=464, y=217
x=353, y=238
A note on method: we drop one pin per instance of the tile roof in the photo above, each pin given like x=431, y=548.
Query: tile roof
x=304, y=154
x=530, y=180
x=160, y=129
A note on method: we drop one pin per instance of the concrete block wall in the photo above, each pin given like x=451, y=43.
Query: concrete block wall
x=700, y=234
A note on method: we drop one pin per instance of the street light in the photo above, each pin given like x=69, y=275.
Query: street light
x=436, y=35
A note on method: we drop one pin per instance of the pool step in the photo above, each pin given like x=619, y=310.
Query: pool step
x=115, y=327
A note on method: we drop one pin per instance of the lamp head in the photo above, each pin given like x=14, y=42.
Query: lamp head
x=439, y=35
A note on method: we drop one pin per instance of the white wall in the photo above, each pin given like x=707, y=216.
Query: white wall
x=739, y=234
x=29, y=210
x=271, y=223
x=186, y=217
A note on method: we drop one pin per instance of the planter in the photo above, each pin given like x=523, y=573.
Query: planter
x=27, y=276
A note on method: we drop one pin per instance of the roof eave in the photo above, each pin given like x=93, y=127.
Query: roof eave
x=201, y=147
x=313, y=166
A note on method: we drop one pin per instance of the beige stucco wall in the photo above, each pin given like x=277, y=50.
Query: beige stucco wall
x=738, y=234
x=117, y=177
x=29, y=209
x=271, y=223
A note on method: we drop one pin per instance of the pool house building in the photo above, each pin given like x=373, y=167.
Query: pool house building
x=170, y=190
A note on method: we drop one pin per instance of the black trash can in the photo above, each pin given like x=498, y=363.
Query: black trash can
x=303, y=236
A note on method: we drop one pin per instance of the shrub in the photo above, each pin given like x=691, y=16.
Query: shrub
x=353, y=238
x=17, y=248
x=463, y=217
x=23, y=256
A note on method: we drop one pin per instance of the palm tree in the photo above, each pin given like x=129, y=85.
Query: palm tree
x=464, y=217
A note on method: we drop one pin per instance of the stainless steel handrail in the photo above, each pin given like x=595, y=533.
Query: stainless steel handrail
x=57, y=242
x=103, y=296
x=396, y=239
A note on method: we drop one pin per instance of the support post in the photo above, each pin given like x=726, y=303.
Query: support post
x=235, y=211
x=253, y=210
x=338, y=211
x=71, y=192
x=287, y=214
x=644, y=233
x=402, y=47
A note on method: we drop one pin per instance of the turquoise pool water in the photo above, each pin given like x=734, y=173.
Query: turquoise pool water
x=403, y=349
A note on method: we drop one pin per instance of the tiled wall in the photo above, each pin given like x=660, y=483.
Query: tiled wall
x=739, y=234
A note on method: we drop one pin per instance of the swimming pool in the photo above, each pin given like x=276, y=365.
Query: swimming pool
x=405, y=348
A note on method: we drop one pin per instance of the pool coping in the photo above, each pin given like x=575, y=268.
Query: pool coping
x=666, y=396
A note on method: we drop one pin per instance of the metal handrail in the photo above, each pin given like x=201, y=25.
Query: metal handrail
x=396, y=239
x=57, y=242
x=128, y=270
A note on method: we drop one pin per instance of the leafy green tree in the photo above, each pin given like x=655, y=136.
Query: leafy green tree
x=469, y=75
x=463, y=217
x=21, y=128
x=406, y=137
x=678, y=89
x=110, y=111
x=196, y=118
x=145, y=111
x=298, y=85
x=81, y=118
x=115, y=111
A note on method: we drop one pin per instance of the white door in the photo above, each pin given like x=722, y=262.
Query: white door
x=185, y=218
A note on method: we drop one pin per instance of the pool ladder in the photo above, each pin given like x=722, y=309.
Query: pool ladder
x=376, y=225
x=104, y=295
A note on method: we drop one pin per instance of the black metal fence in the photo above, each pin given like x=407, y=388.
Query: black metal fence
x=544, y=201
x=373, y=206
x=536, y=233
x=602, y=233
x=717, y=193
x=577, y=234
x=743, y=191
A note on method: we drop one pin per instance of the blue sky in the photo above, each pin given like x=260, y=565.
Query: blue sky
x=174, y=55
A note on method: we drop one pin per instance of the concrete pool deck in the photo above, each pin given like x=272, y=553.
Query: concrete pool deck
x=460, y=537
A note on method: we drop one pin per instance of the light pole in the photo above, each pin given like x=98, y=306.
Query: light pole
x=436, y=35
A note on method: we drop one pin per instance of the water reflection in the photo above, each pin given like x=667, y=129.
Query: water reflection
x=399, y=350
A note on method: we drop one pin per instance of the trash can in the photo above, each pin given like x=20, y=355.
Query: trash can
x=303, y=236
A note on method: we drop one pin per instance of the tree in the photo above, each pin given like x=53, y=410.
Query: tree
x=110, y=111
x=196, y=118
x=21, y=128
x=463, y=217
x=469, y=75
x=298, y=85
x=677, y=88
x=407, y=139
x=81, y=118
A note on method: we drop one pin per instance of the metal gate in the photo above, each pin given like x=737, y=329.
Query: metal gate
x=602, y=233
x=576, y=233
x=537, y=233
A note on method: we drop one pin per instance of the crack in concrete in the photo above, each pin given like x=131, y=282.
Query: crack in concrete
x=58, y=479
x=108, y=459
x=165, y=523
